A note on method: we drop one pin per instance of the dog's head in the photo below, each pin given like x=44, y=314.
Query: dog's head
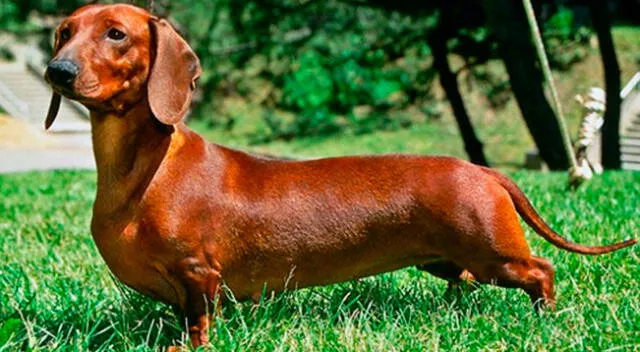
x=109, y=57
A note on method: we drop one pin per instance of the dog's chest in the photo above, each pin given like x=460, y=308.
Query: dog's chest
x=133, y=263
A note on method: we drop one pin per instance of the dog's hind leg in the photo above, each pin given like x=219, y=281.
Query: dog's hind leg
x=452, y=273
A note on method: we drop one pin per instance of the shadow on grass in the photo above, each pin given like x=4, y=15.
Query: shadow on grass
x=379, y=298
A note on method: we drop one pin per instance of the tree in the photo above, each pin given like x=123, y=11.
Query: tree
x=611, y=126
x=449, y=23
x=506, y=19
x=437, y=39
x=319, y=67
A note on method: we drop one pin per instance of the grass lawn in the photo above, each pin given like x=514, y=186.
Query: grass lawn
x=57, y=294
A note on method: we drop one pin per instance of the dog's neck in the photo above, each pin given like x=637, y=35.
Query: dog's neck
x=128, y=150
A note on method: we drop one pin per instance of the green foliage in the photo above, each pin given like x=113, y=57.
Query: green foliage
x=14, y=13
x=9, y=14
x=308, y=91
x=6, y=54
x=320, y=61
x=56, y=293
x=565, y=42
x=561, y=25
x=323, y=67
x=309, y=87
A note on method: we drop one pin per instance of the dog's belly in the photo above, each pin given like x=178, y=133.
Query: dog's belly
x=278, y=272
x=347, y=270
x=301, y=277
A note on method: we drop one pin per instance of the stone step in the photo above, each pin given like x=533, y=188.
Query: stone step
x=631, y=166
x=630, y=158
x=633, y=150
x=630, y=134
x=25, y=96
x=630, y=142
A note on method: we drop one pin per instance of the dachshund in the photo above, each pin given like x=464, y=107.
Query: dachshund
x=176, y=217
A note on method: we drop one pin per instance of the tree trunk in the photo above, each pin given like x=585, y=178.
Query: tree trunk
x=507, y=20
x=438, y=42
x=611, y=126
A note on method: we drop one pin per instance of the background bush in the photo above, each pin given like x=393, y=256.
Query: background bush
x=322, y=67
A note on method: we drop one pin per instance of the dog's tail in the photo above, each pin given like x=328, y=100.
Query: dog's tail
x=533, y=219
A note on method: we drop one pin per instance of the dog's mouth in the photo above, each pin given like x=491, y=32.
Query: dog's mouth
x=73, y=94
x=65, y=92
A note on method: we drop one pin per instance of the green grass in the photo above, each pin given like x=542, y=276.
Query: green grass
x=56, y=294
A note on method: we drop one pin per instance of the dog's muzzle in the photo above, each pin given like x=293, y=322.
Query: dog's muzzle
x=62, y=73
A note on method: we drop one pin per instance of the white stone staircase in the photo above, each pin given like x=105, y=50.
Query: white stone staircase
x=25, y=95
x=630, y=125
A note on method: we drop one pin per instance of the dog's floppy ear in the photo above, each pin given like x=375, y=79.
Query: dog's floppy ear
x=173, y=74
x=54, y=105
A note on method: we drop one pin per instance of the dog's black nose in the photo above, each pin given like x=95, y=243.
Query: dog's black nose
x=62, y=73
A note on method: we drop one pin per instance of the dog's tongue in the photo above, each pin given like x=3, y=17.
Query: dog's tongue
x=54, y=106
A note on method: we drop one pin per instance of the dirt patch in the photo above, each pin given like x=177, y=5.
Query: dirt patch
x=18, y=134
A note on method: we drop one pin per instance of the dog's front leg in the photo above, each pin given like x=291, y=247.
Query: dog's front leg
x=203, y=300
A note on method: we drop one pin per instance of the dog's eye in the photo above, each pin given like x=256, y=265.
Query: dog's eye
x=65, y=34
x=115, y=34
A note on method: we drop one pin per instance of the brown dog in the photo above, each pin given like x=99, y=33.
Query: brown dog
x=175, y=217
